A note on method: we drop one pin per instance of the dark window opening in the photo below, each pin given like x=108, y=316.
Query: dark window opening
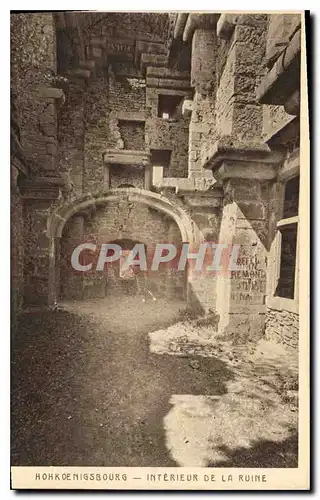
x=170, y=106
x=160, y=157
x=285, y=287
x=291, y=198
x=160, y=160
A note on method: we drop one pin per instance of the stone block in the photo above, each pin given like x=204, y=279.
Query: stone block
x=187, y=108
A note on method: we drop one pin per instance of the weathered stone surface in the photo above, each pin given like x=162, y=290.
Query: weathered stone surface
x=225, y=25
x=282, y=327
x=113, y=75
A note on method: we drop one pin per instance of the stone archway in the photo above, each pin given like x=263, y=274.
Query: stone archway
x=190, y=232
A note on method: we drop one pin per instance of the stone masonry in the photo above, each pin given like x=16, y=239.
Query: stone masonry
x=100, y=100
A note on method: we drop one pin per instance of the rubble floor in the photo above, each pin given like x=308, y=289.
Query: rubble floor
x=125, y=383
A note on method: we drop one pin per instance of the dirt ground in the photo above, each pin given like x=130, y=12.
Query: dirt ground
x=105, y=383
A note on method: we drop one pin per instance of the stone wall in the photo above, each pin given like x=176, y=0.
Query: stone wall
x=280, y=30
x=33, y=67
x=17, y=252
x=203, y=118
x=132, y=134
x=96, y=132
x=162, y=134
x=117, y=108
x=237, y=110
x=113, y=222
x=282, y=327
x=34, y=82
x=172, y=133
x=126, y=176
x=92, y=120
x=241, y=294
x=71, y=133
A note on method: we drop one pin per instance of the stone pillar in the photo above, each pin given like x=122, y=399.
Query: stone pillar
x=106, y=177
x=71, y=136
x=148, y=177
x=38, y=197
x=73, y=281
x=238, y=114
x=204, y=208
x=203, y=80
x=34, y=34
x=176, y=281
x=244, y=222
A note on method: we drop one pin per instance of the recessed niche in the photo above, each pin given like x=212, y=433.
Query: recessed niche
x=170, y=106
x=133, y=134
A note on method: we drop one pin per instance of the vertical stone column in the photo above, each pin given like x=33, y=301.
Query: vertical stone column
x=241, y=291
x=38, y=247
x=73, y=281
x=238, y=114
x=71, y=137
x=148, y=177
x=17, y=247
x=245, y=165
x=203, y=80
x=176, y=281
x=106, y=177
x=34, y=67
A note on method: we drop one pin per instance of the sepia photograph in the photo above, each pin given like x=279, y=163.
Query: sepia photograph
x=159, y=262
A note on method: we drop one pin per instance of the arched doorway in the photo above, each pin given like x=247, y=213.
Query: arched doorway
x=187, y=229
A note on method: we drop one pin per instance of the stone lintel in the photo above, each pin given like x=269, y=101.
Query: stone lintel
x=136, y=116
x=284, y=77
x=53, y=93
x=167, y=83
x=126, y=157
x=225, y=25
x=172, y=74
x=44, y=188
x=187, y=93
x=42, y=182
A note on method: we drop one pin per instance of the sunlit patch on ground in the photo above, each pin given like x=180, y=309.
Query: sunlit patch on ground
x=90, y=387
x=253, y=424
